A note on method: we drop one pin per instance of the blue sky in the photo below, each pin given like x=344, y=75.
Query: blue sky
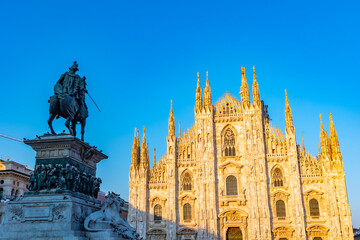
x=138, y=55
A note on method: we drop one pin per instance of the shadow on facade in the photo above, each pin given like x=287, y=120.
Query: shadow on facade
x=156, y=225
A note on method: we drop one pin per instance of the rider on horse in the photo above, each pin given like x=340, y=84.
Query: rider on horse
x=69, y=101
x=72, y=84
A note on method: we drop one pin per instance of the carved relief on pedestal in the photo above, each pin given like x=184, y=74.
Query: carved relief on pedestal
x=16, y=214
x=58, y=212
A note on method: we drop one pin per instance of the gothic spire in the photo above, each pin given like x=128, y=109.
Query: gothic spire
x=144, y=159
x=303, y=144
x=255, y=90
x=199, y=102
x=171, y=121
x=154, y=166
x=207, y=93
x=288, y=117
x=324, y=140
x=179, y=130
x=335, y=148
x=244, y=89
x=135, y=156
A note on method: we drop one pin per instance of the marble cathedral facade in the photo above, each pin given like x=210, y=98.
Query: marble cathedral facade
x=234, y=175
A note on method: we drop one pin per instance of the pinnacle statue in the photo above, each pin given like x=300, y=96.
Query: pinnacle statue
x=68, y=101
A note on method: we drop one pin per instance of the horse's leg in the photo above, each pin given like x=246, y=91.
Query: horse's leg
x=50, y=120
x=83, y=123
x=73, y=126
x=67, y=124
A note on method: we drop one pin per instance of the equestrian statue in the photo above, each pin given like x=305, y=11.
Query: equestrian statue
x=69, y=101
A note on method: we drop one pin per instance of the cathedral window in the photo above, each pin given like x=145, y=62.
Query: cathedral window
x=277, y=177
x=280, y=209
x=231, y=185
x=186, y=182
x=187, y=212
x=314, y=208
x=229, y=143
x=157, y=213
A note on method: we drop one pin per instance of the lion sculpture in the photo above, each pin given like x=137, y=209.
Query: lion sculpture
x=108, y=217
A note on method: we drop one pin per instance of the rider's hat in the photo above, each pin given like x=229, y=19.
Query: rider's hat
x=74, y=67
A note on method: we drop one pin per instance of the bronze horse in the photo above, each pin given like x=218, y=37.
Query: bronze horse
x=66, y=106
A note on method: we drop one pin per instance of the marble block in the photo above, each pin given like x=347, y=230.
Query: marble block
x=48, y=216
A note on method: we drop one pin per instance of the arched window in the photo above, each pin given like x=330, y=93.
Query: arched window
x=231, y=185
x=229, y=143
x=186, y=182
x=187, y=212
x=280, y=209
x=157, y=213
x=1, y=192
x=277, y=178
x=16, y=193
x=314, y=208
x=12, y=192
x=234, y=233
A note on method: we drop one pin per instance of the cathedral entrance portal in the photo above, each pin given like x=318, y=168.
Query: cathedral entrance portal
x=233, y=225
x=234, y=233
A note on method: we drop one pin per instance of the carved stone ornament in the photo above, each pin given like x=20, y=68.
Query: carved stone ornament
x=17, y=214
x=58, y=211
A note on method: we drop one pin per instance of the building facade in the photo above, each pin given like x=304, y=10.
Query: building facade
x=234, y=175
x=14, y=179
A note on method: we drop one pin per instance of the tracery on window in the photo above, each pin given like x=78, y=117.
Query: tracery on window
x=277, y=178
x=229, y=143
x=231, y=185
x=186, y=182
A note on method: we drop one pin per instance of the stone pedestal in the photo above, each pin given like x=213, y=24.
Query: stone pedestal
x=48, y=216
x=66, y=149
x=56, y=210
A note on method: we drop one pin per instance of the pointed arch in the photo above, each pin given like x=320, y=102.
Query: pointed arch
x=277, y=176
x=228, y=136
x=186, y=181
